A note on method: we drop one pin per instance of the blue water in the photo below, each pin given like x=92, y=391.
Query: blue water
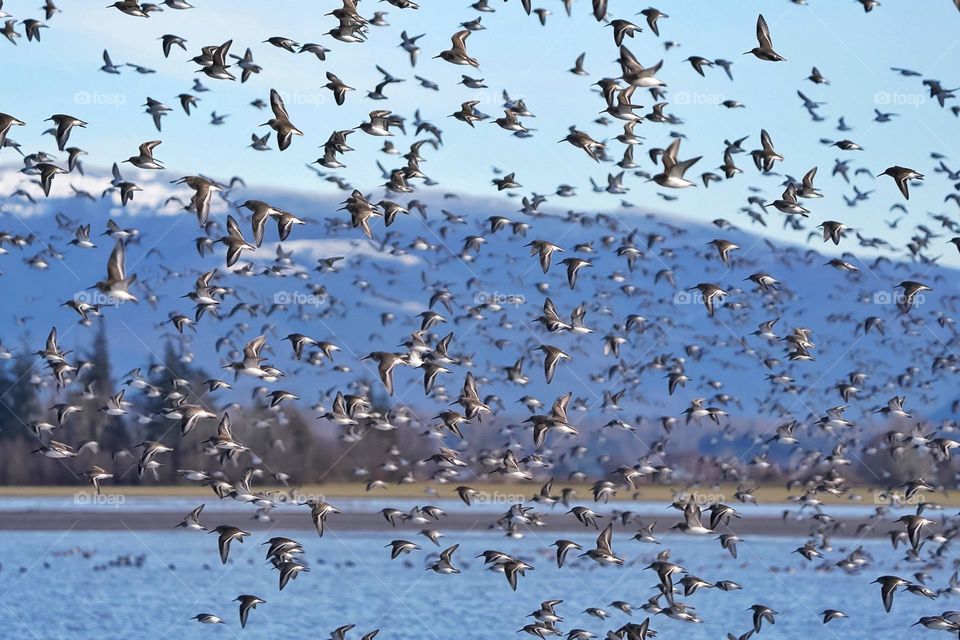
x=49, y=588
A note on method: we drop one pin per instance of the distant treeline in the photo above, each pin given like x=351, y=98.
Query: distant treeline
x=292, y=445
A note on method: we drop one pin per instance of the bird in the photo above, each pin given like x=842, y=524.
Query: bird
x=603, y=553
x=911, y=289
x=145, y=159
x=457, y=53
x=652, y=15
x=319, y=510
x=6, y=123
x=108, y=66
x=552, y=357
x=888, y=587
x=117, y=284
x=692, y=523
x=674, y=169
x=338, y=87
x=96, y=475
x=761, y=614
x=247, y=602
x=280, y=122
x=207, y=618
x=710, y=293
x=765, y=49
x=563, y=548
x=192, y=520
x=444, y=565
x=225, y=535
x=902, y=176
x=65, y=125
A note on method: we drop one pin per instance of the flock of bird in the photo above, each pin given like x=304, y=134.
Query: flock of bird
x=612, y=264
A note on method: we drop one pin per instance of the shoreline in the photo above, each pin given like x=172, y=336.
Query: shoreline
x=300, y=520
x=765, y=494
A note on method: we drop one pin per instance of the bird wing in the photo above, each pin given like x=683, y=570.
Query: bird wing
x=146, y=149
x=559, y=409
x=233, y=229
x=386, y=373
x=599, y=9
x=276, y=103
x=223, y=542
x=604, y=540
x=470, y=386
x=669, y=157
x=252, y=350
x=691, y=514
x=763, y=33
x=219, y=54
x=223, y=429
x=447, y=555
x=765, y=140
x=116, y=265
x=459, y=40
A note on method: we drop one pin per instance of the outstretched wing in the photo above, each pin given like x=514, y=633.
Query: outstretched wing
x=116, y=265
x=599, y=9
x=276, y=103
x=252, y=350
x=219, y=54
x=233, y=229
x=459, y=40
x=559, y=409
x=765, y=141
x=223, y=429
x=147, y=148
x=763, y=33
x=669, y=157
x=447, y=554
x=692, y=515
x=605, y=539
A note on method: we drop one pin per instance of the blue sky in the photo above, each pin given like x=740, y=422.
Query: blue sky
x=854, y=50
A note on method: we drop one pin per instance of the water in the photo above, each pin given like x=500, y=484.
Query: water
x=352, y=580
